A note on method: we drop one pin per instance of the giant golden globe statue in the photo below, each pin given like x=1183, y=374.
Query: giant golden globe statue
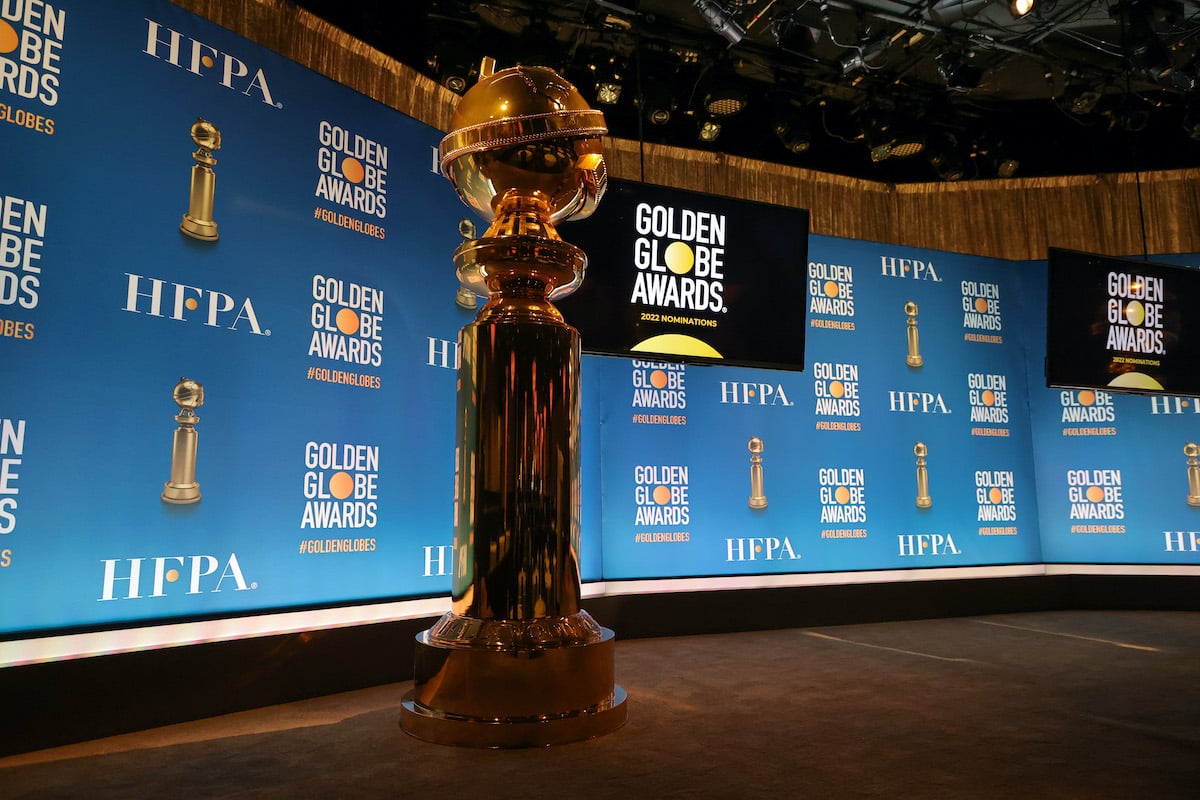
x=516, y=662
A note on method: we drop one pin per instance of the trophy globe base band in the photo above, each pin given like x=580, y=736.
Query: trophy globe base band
x=198, y=228
x=494, y=698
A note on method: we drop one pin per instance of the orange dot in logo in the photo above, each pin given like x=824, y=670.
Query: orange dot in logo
x=172, y=575
x=981, y=305
x=207, y=61
x=1095, y=494
x=1086, y=397
x=352, y=169
x=341, y=485
x=842, y=495
x=8, y=37
x=191, y=304
x=989, y=397
x=658, y=379
x=995, y=495
x=662, y=495
x=831, y=289
x=347, y=321
x=837, y=388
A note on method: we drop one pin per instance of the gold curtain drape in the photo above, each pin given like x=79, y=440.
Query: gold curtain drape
x=1013, y=219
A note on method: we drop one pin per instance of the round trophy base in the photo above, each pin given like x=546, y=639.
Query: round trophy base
x=181, y=493
x=505, y=698
x=914, y=361
x=199, y=229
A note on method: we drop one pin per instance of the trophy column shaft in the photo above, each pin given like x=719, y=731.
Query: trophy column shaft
x=516, y=535
x=200, y=200
x=183, y=457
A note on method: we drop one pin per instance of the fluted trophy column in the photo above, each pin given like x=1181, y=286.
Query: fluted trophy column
x=516, y=662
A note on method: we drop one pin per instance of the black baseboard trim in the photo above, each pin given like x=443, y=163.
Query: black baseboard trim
x=58, y=703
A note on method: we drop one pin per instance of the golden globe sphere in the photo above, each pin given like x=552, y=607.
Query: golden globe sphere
x=526, y=132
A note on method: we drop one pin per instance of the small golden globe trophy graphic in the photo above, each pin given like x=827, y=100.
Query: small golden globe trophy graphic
x=757, y=498
x=913, y=359
x=198, y=221
x=183, y=487
x=516, y=662
x=1192, y=451
x=923, y=498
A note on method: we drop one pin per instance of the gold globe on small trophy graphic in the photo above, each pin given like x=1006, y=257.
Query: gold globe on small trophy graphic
x=516, y=662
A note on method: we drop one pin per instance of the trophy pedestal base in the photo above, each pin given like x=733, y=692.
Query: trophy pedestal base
x=205, y=230
x=487, y=697
x=181, y=493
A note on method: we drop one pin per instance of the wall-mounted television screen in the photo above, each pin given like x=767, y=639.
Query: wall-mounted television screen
x=1122, y=325
x=691, y=277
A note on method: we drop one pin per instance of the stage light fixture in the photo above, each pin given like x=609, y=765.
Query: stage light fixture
x=1020, y=8
x=793, y=133
x=657, y=103
x=721, y=20
x=709, y=131
x=957, y=71
x=725, y=99
x=1079, y=98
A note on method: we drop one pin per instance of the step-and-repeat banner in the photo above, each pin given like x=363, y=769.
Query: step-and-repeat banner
x=228, y=350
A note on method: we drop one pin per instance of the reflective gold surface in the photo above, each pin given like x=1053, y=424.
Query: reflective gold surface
x=923, y=499
x=198, y=221
x=1192, y=451
x=757, y=497
x=913, y=359
x=183, y=488
x=517, y=662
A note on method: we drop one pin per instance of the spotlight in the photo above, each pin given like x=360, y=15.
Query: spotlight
x=657, y=103
x=891, y=136
x=608, y=73
x=947, y=164
x=955, y=70
x=725, y=98
x=454, y=63
x=720, y=20
x=793, y=133
x=863, y=57
x=1079, y=99
x=1020, y=8
x=709, y=131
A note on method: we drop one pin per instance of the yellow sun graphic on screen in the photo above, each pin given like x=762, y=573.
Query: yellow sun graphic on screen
x=842, y=495
x=662, y=495
x=1095, y=494
x=995, y=495
x=989, y=397
x=347, y=321
x=981, y=305
x=679, y=258
x=831, y=289
x=1136, y=380
x=1135, y=312
x=658, y=379
x=1086, y=397
x=837, y=388
x=676, y=344
x=352, y=168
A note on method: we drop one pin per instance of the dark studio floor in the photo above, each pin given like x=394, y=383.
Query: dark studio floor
x=1061, y=704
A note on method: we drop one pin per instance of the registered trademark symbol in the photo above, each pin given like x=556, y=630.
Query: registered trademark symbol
x=267, y=332
x=279, y=104
x=254, y=585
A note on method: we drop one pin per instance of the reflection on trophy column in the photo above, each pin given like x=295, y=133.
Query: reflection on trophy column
x=914, y=347
x=465, y=298
x=757, y=498
x=183, y=487
x=516, y=662
x=198, y=221
x=1192, y=450
x=923, y=498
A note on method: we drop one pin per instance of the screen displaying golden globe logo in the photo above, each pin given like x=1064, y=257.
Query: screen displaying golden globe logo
x=701, y=278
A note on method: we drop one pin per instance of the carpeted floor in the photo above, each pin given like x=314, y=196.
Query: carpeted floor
x=1054, y=704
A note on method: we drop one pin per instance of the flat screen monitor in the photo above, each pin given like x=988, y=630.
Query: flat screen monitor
x=1122, y=325
x=691, y=277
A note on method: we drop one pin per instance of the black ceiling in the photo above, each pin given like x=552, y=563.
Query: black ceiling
x=1074, y=86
